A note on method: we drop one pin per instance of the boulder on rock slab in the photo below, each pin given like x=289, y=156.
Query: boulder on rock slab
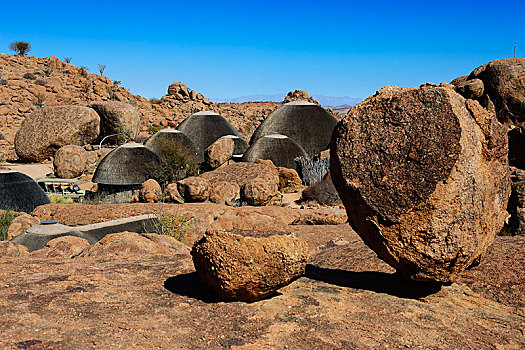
x=10, y=249
x=172, y=195
x=44, y=131
x=150, y=192
x=194, y=189
x=472, y=88
x=242, y=173
x=20, y=224
x=257, y=192
x=248, y=268
x=117, y=118
x=424, y=177
x=219, y=152
x=70, y=161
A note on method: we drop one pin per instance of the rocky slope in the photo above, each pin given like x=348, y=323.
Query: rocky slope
x=30, y=83
x=143, y=292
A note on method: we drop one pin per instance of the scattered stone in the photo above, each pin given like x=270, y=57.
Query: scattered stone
x=70, y=161
x=19, y=192
x=20, y=224
x=219, y=152
x=306, y=123
x=194, y=189
x=10, y=249
x=117, y=118
x=150, y=192
x=426, y=187
x=299, y=95
x=172, y=195
x=280, y=149
x=224, y=192
x=242, y=173
x=248, y=268
x=44, y=131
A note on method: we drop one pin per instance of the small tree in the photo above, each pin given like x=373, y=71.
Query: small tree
x=101, y=68
x=67, y=59
x=20, y=47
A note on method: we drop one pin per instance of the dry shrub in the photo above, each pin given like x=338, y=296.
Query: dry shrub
x=323, y=192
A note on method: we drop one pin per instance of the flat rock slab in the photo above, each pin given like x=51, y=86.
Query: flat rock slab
x=159, y=302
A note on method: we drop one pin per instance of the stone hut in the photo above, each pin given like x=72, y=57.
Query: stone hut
x=204, y=128
x=306, y=123
x=280, y=149
x=171, y=139
x=121, y=172
x=19, y=192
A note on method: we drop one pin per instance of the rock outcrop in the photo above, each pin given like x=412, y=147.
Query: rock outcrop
x=194, y=189
x=44, y=131
x=299, y=95
x=248, y=268
x=424, y=177
x=499, y=86
x=70, y=161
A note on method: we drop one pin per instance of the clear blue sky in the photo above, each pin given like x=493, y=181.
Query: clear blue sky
x=230, y=49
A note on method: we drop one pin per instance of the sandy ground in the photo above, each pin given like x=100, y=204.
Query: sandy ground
x=35, y=171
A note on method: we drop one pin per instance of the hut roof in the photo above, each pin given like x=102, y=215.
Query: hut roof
x=129, y=164
x=204, y=128
x=19, y=192
x=167, y=139
x=280, y=149
x=306, y=123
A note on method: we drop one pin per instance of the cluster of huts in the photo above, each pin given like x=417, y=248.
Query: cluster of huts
x=296, y=130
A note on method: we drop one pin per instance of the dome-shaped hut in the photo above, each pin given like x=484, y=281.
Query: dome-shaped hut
x=167, y=140
x=306, y=123
x=204, y=128
x=19, y=192
x=128, y=165
x=280, y=149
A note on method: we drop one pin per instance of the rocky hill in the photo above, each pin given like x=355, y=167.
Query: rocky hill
x=30, y=83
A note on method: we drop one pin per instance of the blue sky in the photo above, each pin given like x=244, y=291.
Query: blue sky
x=230, y=49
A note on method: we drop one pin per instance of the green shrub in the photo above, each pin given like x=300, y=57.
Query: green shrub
x=174, y=226
x=59, y=199
x=323, y=192
x=175, y=164
x=154, y=129
x=6, y=217
x=20, y=47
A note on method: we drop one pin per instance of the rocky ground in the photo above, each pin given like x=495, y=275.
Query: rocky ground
x=130, y=293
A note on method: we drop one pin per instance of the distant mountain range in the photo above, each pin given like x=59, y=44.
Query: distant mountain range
x=326, y=101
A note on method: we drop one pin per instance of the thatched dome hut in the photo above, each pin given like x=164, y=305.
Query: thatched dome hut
x=204, y=128
x=128, y=165
x=280, y=149
x=306, y=123
x=19, y=192
x=167, y=140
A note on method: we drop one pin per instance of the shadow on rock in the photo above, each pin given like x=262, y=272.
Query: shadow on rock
x=379, y=282
x=190, y=285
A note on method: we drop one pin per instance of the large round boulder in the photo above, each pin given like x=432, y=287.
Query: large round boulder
x=70, y=161
x=306, y=123
x=423, y=174
x=117, y=118
x=248, y=268
x=44, y=131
